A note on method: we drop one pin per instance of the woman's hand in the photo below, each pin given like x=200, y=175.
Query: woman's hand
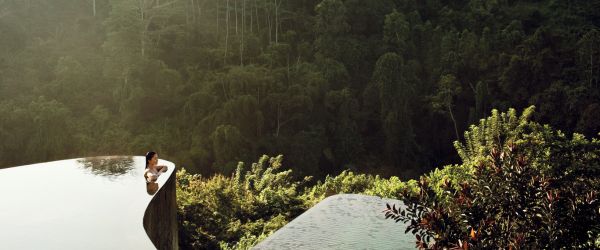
x=150, y=177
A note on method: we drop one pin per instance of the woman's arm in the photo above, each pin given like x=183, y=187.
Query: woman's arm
x=161, y=168
x=150, y=177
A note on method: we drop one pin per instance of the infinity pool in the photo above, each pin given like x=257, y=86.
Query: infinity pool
x=345, y=221
x=86, y=203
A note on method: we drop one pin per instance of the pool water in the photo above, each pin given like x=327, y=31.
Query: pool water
x=345, y=221
x=86, y=203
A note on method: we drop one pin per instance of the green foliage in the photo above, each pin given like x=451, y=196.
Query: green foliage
x=396, y=91
x=547, y=181
x=340, y=77
x=346, y=141
x=496, y=129
x=49, y=138
x=330, y=24
x=225, y=139
x=239, y=211
x=396, y=30
x=520, y=185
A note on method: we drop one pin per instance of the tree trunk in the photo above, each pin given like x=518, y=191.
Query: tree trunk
x=225, y=95
x=243, y=27
x=200, y=8
x=276, y=22
x=257, y=19
x=278, y=118
x=193, y=10
x=235, y=10
x=142, y=15
x=187, y=15
x=258, y=128
x=251, y=20
x=280, y=123
x=217, y=10
x=268, y=22
x=453, y=121
x=226, y=31
x=591, y=61
x=94, y=6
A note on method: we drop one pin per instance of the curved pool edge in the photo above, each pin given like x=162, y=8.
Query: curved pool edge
x=160, y=217
x=342, y=221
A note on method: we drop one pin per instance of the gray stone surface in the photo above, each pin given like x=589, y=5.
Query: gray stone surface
x=345, y=221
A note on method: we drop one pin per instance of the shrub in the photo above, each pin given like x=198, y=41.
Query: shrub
x=244, y=208
x=239, y=211
x=520, y=185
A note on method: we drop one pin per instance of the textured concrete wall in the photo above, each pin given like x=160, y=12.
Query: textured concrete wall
x=160, y=219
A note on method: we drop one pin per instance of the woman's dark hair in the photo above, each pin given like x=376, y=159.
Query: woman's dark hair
x=149, y=156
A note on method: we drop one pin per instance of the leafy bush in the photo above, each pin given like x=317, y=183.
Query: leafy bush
x=520, y=185
x=350, y=183
x=239, y=211
x=242, y=208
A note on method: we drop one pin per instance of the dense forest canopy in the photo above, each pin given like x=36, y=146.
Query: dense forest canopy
x=372, y=86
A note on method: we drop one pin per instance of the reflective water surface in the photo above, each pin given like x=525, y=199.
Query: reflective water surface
x=346, y=221
x=108, y=166
x=86, y=203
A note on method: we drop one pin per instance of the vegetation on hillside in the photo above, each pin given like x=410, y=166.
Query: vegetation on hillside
x=381, y=87
x=238, y=211
x=520, y=185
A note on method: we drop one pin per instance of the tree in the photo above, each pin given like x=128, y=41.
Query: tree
x=285, y=108
x=396, y=92
x=448, y=89
x=229, y=147
x=589, y=57
x=330, y=27
x=346, y=141
x=396, y=31
x=38, y=131
x=521, y=184
x=243, y=112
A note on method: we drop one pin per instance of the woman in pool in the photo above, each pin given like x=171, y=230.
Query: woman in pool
x=152, y=170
